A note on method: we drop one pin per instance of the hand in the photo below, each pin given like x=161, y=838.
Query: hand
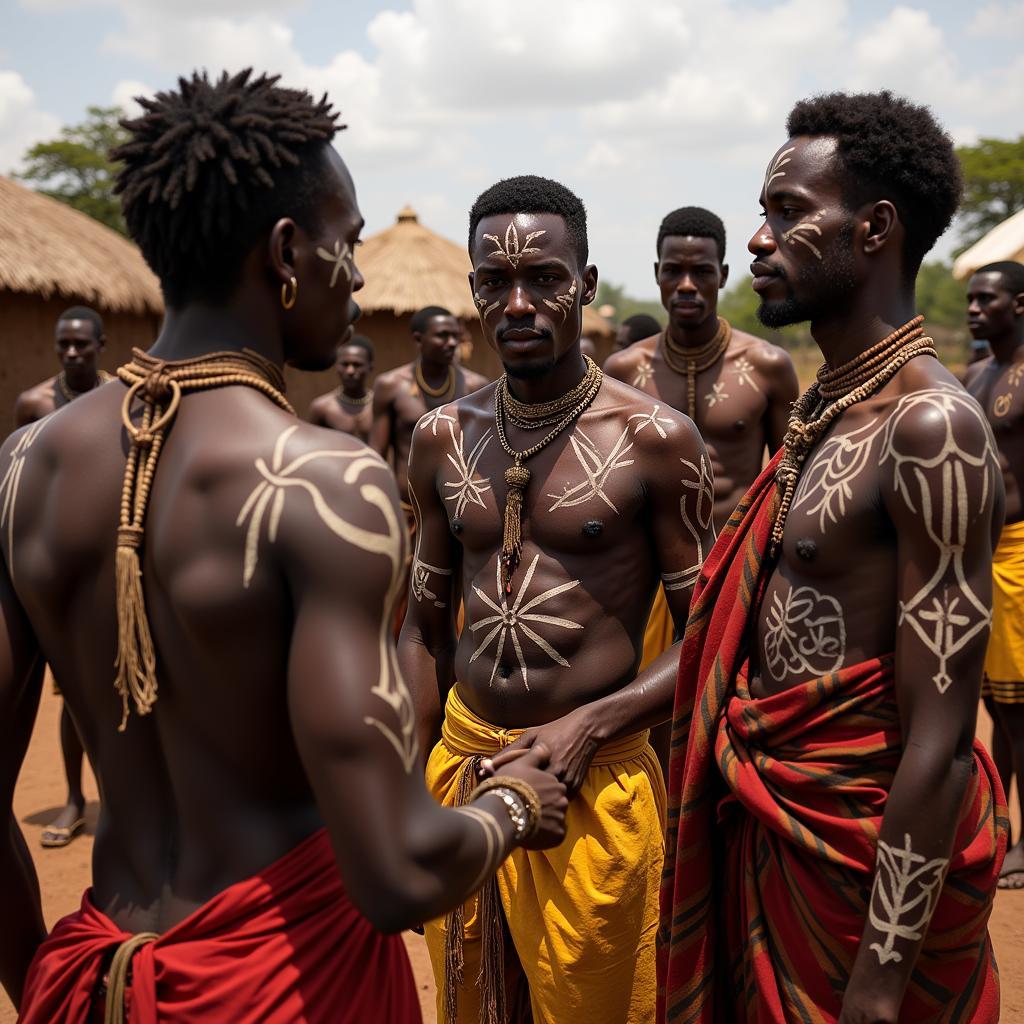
x=574, y=740
x=529, y=766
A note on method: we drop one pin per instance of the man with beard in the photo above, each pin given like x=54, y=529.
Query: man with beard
x=736, y=387
x=79, y=340
x=836, y=832
x=995, y=315
x=348, y=408
x=552, y=504
x=185, y=526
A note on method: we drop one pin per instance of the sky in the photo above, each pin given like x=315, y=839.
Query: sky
x=638, y=107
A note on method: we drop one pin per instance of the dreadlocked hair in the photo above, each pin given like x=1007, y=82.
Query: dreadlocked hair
x=211, y=167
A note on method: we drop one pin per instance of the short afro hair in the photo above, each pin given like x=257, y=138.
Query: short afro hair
x=529, y=193
x=209, y=168
x=640, y=326
x=889, y=148
x=359, y=341
x=84, y=313
x=1011, y=272
x=695, y=222
x=422, y=317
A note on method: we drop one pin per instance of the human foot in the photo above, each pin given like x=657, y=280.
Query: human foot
x=1012, y=875
x=65, y=826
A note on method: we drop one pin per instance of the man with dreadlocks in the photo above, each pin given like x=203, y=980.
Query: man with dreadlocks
x=835, y=831
x=551, y=504
x=79, y=340
x=736, y=387
x=247, y=563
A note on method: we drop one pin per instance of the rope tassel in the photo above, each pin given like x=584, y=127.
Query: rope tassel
x=517, y=476
x=136, y=656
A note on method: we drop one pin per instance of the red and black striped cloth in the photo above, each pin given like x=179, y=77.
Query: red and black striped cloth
x=775, y=805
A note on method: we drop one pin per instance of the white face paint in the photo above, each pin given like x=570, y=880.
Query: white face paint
x=340, y=258
x=516, y=622
x=597, y=469
x=563, y=303
x=903, y=896
x=805, y=634
x=268, y=500
x=510, y=249
x=801, y=232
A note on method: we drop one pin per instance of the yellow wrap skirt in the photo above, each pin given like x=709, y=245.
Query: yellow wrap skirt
x=583, y=916
x=1004, y=660
x=660, y=632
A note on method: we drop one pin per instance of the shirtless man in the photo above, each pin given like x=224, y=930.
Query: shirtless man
x=349, y=407
x=742, y=388
x=995, y=315
x=401, y=396
x=261, y=564
x=841, y=832
x=556, y=554
x=79, y=340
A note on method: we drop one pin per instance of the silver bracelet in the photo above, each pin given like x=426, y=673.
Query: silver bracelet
x=516, y=811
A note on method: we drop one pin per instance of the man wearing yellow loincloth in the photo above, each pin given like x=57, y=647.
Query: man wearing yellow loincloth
x=995, y=313
x=737, y=388
x=553, y=503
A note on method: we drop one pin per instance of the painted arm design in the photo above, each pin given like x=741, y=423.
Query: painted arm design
x=701, y=485
x=266, y=503
x=12, y=481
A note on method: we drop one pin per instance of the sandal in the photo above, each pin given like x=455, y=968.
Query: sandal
x=57, y=835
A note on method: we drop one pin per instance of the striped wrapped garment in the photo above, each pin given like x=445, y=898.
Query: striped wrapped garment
x=775, y=806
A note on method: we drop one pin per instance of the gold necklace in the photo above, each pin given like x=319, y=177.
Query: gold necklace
x=815, y=411
x=689, y=362
x=357, y=403
x=159, y=385
x=445, y=393
x=529, y=416
x=70, y=394
x=517, y=476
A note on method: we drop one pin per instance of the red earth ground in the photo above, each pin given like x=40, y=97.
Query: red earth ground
x=64, y=873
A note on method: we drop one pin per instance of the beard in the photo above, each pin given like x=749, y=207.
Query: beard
x=817, y=290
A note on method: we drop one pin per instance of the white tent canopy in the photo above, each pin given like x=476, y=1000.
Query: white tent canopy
x=1004, y=242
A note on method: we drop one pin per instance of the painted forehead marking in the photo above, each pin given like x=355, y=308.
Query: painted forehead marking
x=510, y=249
x=775, y=167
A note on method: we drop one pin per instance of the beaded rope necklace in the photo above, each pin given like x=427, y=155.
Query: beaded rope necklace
x=517, y=476
x=70, y=394
x=689, y=362
x=357, y=403
x=830, y=396
x=446, y=393
x=159, y=385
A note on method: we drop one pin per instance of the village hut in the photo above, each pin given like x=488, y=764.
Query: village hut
x=407, y=266
x=52, y=257
x=1004, y=242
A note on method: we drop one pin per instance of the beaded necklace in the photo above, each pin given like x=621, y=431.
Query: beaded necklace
x=446, y=393
x=689, y=362
x=832, y=394
x=517, y=476
x=70, y=394
x=159, y=385
x=356, y=403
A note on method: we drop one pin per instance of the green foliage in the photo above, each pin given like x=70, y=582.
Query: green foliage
x=940, y=297
x=625, y=305
x=77, y=169
x=993, y=184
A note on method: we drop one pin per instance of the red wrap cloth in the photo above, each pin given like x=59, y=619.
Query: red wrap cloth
x=775, y=806
x=283, y=947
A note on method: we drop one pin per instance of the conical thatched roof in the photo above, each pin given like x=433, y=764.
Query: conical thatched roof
x=47, y=249
x=1004, y=242
x=407, y=266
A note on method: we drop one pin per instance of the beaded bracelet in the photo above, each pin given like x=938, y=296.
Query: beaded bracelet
x=523, y=790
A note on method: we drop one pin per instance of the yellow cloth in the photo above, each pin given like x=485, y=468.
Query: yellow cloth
x=1004, y=660
x=582, y=916
x=661, y=630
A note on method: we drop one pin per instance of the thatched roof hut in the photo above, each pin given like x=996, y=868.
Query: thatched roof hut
x=407, y=266
x=52, y=257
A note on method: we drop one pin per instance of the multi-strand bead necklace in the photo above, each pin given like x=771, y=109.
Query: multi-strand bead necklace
x=830, y=396
x=688, y=362
x=561, y=412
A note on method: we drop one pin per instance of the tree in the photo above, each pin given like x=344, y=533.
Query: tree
x=77, y=169
x=609, y=294
x=993, y=173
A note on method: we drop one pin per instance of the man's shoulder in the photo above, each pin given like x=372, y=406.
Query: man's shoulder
x=650, y=422
x=975, y=370
x=474, y=381
x=456, y=415
x=325, y=399
x=390, y=380
x=620, y=364
x=36, y=401
x=762, y=353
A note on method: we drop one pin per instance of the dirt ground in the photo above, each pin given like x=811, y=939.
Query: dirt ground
x=64, y=874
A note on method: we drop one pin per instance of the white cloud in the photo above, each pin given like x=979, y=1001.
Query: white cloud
x=998, y=19
x=124, y=95
x=22, y=123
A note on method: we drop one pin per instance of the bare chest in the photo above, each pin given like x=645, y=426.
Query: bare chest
x=1000, y=393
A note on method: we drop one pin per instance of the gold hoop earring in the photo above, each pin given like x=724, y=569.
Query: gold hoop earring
x=287, y=302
